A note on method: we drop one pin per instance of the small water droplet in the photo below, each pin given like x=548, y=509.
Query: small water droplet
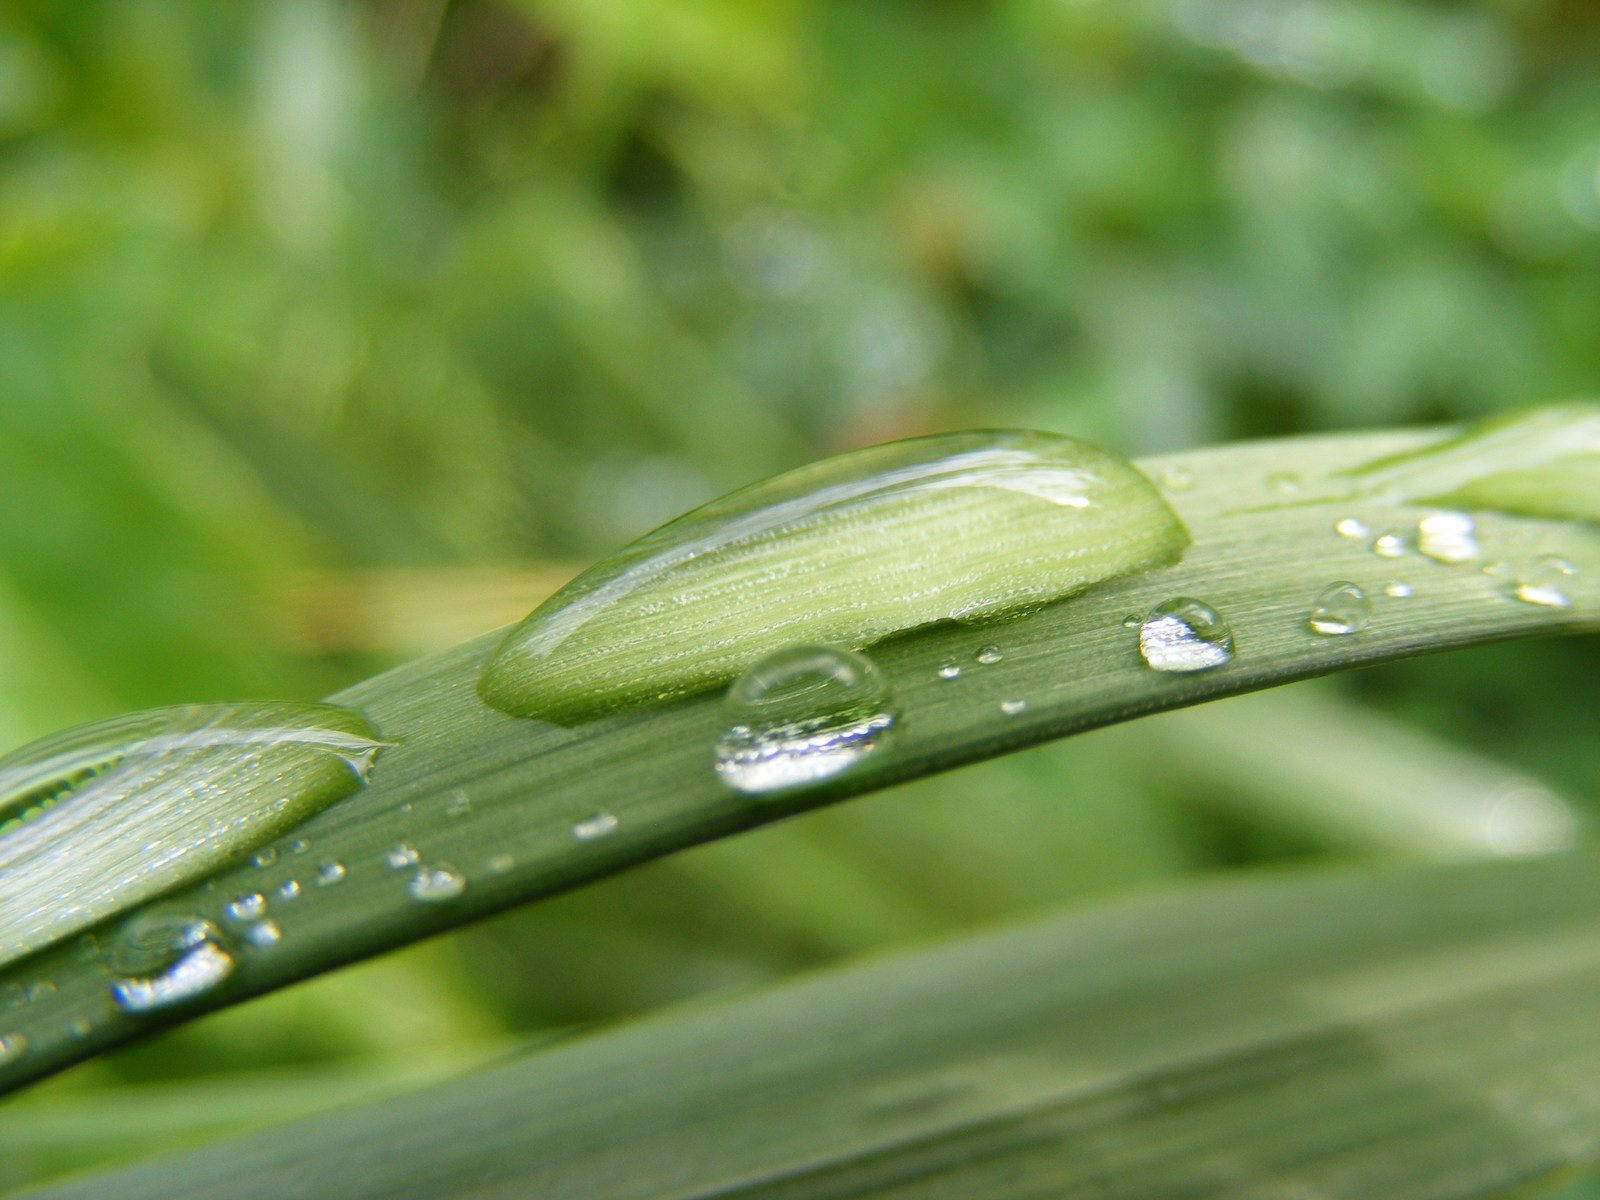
x=990, y=655
x=247, y=907
x=1397, y=589
x=265, y=856
x=1176, y=479
x=402, y=855
x=1012, y=707
x=1448, y=537
x=802, y=715
x=501, y=863
x=433, y=885
x=597, y=825
x=165, y=959
x=1340, y=608
x=81, y=1028
x=289, y=889
x=41, y=989
x=263, y=934
x=1545, y=581
x=299, y=846
x=1391, y=545
x=459, y=805
x=1351, y=527
x=949, y=671
x=1185, y=634
x=12, y=1047
x=330, y=872
x=1132, y=621
x=1285, y=483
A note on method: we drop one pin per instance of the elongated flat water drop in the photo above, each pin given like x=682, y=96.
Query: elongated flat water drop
x=801, y=715
x=1448, y=537
x=843, y=552
x=1542, y=462
x=163, y=960
x=98, y=819
x=1340, y=608
x=434, y=885
x=1185, y=634
x=1545, y=581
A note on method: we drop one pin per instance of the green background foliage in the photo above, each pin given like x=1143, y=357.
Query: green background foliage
x=334, y=333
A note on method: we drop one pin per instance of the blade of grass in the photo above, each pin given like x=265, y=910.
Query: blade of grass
x=1382, y=1034
x=498, y=799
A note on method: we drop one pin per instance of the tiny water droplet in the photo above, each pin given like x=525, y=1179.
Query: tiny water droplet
x=1448, y=537
x=597, y=825
x=1397, y=589
x=299, y=846
x=802, y=715
x=165, y=959
x=433, y=885
x=1012, y=707
x=1185, y=634
x=1391, y=545
x=1132, y=621
x=265, y=856
x=459, y=805
x=263, y=934
x=402, y=855
x=12, y=1047
x=949, y=671
x=501, y=863
x=330, y=872
x=289, y=889
x=1545, y=581
x=1176, y=479
x=1340, y=608
x=1285, y=483
x=1351, y=527
x=247, y=907
x=990, y=655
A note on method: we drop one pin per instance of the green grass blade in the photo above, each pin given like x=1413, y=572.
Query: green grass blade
x=497, y=799
x=1365, y=1034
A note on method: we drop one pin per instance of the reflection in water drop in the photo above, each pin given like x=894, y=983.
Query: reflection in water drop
x=597, y=825
x=1012, y=707
x=1351, y=527
x=801, y=715
x=12, y=1047
x=1340, y=608
x=1545, y=581
x=166, y=959
x=949, y=671
x=432, y=885
x=1397, y=590
x=1448, y=537
x=990, y=655
x=402, y=855
x=289, y=889
x=265, y=856
x=330, y=872
x=1391, y=545
x=263, y=934
x=247, y=907
x=1185, y=634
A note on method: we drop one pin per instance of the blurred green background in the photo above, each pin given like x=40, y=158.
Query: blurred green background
x=333, y=333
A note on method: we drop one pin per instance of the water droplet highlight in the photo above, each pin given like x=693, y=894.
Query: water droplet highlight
x=1012, y=707
x=330, y=872
x=289, y=889
x=164, y=959
x=1352, y=527
x=433, y=885
x=263, y=934
x=247, y=907
x=1545, y=581
x=1397, y=590
x=103, y=817
x=1340, y=608
x=402, y=855
x=1391, y=545
x=950, y=671
x=1448, y=537
x=1176, y=479
x=265, y=857
x=990, y=655
x=597, y=825
x=1185, y=634
x=802, y=715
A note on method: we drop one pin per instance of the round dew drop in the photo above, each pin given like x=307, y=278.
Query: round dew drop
x=844, y=552
x=433, y=885
x=1185, y=634
x=802, y=715
x=1339, y=609
x=98, y=819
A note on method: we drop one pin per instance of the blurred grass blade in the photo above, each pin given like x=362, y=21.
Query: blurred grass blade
x=475, y=810
x=1370, y=1035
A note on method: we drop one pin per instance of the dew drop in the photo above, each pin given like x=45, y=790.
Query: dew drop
x=1545, y=581
x=263, y=934
x=1176, y=479
x=1012, y=707
x=81, y=1028
x=1351, y=527
x=265, y=856
x=330, y=872
x=801, y=715
x=289, y=889
x=597, y=825
x=1285, y=483
x=950, y=671
x=1448, y=537
x=164, y=959
x=402, y=855
x=1396, y=589
x=434, y=885
x=247, y=907
x=299, y=846
x=1340, y=608
x=501, y=863
x=1185, y=634
x=1391, y=545
x=12, y=1047
x=990, y=655
x=1132, y=621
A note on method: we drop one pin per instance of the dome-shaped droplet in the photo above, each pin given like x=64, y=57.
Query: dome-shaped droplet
x=1448, y=537
x=1185, y=634
x=1340, y=608
x=1396, y=589
x=164, y=959
x=802, y=715
x=990, y=655
x=1352, y=527
x=1391, y=545
x=433, y=885
x=595, y=826
x=1545, y=581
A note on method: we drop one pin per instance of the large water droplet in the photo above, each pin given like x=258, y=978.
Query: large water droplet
x=1340, y=608
x=1448, y=537
x=433, y=885
x=165, y=959
x=968, y=526
x=801, y=715
x=1545, y=581
x=1185, y=634
x=98, y=819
